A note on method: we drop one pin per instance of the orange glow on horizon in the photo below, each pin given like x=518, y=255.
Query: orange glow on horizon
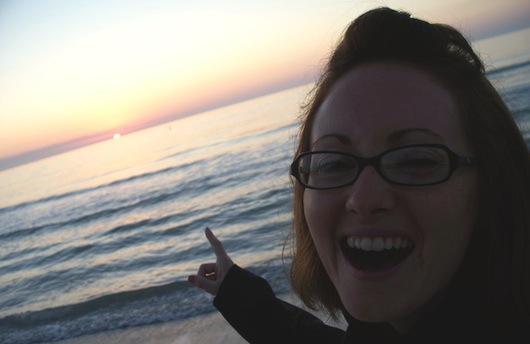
x=102, y=71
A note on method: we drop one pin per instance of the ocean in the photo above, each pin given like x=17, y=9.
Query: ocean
x=104, y=237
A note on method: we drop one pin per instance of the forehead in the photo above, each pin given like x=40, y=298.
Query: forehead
x=373, y=102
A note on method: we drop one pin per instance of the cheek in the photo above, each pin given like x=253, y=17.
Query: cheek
x=446, y=220
x=457, y=210
x=321, y=210
x=312, y=212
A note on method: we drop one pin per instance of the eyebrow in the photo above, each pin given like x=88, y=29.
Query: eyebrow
x=341, y=138
x=397, y=135
x=392, y=138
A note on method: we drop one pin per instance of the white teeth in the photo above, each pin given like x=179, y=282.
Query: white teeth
x=366, y=244
x=377, y=244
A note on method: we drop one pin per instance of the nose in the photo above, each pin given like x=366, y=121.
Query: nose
x=370, y=194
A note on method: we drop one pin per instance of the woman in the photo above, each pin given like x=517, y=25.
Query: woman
x=411, y=200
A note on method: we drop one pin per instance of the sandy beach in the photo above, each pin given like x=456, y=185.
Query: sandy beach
x=210, y=328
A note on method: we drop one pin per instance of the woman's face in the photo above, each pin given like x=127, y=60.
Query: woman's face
x=373, y=108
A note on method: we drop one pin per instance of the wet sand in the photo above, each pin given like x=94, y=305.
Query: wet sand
x=210, y=328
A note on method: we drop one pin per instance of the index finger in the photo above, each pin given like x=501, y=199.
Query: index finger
x=216, y=243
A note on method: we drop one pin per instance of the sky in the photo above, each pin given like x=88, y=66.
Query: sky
x=75, y=72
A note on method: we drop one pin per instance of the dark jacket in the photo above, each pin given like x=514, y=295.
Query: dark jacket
x=248, y=303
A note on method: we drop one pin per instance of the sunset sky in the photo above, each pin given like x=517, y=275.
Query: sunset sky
x=72, y=72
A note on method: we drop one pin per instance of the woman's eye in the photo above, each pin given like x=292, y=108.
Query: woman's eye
x=418, y=162
x=416, y=158
x=334, y=165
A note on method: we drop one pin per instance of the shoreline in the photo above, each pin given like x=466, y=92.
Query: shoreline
x=206, y=328
x=209, y=328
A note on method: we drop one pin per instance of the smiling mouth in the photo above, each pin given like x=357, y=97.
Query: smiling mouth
x=376, y=254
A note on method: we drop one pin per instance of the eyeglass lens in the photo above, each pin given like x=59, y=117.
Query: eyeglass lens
x=409, y=166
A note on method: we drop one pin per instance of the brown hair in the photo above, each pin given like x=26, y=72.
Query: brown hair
x=503, y=228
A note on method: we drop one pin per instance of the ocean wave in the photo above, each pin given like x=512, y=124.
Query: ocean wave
x=150, y=200
x=82, y=191
x=511, y=67
x=169, y=302
x=131, y=308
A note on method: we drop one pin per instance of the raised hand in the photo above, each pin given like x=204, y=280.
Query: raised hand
x=211, y=275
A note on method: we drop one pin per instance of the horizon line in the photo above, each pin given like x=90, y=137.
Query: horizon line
x=34, y=155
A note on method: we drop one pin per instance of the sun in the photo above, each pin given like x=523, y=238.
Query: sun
x=116, y=136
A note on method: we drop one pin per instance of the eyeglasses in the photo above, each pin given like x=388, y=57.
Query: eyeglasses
x=414, y=165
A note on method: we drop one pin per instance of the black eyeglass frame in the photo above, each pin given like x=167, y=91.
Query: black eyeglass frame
x=455, y=161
